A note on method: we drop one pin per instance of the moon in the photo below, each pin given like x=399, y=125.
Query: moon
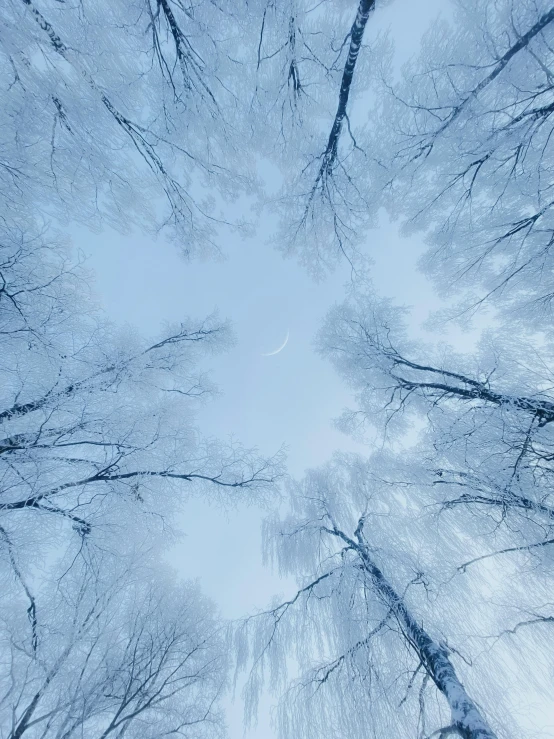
x=283, y=345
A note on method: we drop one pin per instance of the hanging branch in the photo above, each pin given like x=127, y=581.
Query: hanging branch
x=467, y=719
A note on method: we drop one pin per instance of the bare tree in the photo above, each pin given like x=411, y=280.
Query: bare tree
x=458, y=147
x=374, y=659
x=125, y=654
x=110, y=108
x=308, y=59
x=484, y=445
x=333, y=185
x=464, y=147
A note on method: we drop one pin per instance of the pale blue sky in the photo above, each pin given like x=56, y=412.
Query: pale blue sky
x=287, y=399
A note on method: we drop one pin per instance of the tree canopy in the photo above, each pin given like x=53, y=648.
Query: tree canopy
x=423, y=567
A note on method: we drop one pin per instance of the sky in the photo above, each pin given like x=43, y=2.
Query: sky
x=286, y=400
x=289, y=399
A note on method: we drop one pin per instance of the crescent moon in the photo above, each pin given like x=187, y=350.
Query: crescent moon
x=283, y=345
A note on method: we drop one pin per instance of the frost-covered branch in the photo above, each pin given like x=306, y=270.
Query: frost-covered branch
x=128, y=651
x=527, y=548
x=353, y=630
x=103, y=114
x=98, y=425
x=466, y=716
x=487, y=429
x=463, y=150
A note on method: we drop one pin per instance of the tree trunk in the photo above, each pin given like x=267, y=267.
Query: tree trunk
x=467, y=719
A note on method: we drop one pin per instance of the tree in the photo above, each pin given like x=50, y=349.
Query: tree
x=98, y=425
x=110, y=107
x=469, y=461
x=463, y=142
x=485, y=423
x=374, y=656
x=127, y=653
x=457, y=148
x=308, y=59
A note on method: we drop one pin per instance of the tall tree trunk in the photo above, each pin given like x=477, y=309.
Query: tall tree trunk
x=356, y=35
x=467, y=719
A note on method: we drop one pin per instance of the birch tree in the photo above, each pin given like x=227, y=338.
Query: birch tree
x=481, y=466
x=457, y=147
x=375, y=657
x=111, y=110
x=123, y=112
x=463, y=143
x=127, y=653
x=481, y=425
x=309, y=60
